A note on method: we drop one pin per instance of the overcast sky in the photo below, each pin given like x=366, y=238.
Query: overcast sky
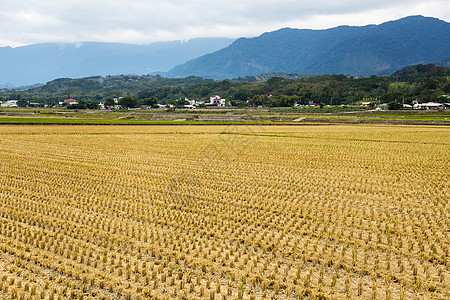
x=25, y=22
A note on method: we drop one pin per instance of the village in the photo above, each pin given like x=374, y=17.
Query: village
x=217, y=102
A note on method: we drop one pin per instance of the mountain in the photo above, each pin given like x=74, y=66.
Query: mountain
x=350, y=50
x=40, y=63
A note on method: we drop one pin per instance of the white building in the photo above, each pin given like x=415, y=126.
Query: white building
x=10, y=104
x=215, y=100
x=191, y=102
x=429, y=105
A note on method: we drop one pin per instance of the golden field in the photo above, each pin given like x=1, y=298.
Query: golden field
x=224, y=212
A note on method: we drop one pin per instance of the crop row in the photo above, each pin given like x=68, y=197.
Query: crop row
x=289, y=213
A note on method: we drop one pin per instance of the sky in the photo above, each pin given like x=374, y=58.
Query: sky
x=24, y=22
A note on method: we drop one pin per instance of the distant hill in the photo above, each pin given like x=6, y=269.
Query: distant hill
x=444, y=63
x=97, y=87
x=357, y=51
x=41, y=63
x=424, y=82
x=266, y=76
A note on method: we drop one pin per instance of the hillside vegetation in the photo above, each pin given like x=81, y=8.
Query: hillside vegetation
x=422, y=82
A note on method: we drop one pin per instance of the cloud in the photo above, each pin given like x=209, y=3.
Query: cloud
x=146, y=21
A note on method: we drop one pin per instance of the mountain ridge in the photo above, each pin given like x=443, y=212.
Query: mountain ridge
x=350, y=50
x=40, y=63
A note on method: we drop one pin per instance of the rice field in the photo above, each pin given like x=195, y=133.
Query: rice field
x=224, y=212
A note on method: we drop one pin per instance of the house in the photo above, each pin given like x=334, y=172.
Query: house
x=70, y=102
x=215, y=100
x=10, y=104
x=429, y=105
x=191, y=102
x=365, y=103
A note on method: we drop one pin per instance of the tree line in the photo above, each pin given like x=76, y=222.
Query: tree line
x=422, y=82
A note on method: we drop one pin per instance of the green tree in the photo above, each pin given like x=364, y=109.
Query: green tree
x=22, y=103
x=110, y=102
x=151, y=101
x=242, y=94
x=180, y=102
x=92, y=105
x=259, y=100
x=129, y=102
x=394, y=105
